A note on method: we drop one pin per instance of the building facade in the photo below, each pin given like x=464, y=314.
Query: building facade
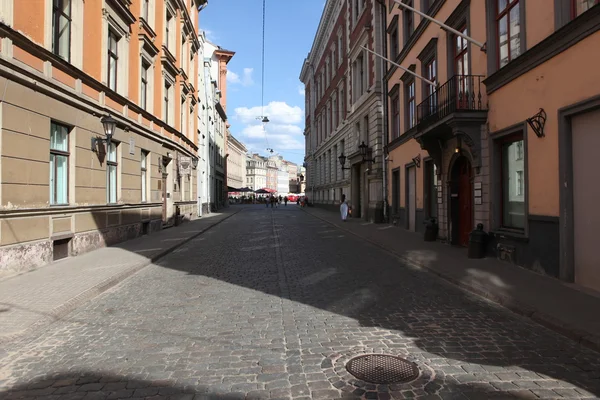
x=437, y=124
x=344, y=108
x=488, y=143
x=62, y=192
x=541, y=207
x=215, y=71
x=292, y=171
x=256, y=172
x=271, y=174
x=236, y=163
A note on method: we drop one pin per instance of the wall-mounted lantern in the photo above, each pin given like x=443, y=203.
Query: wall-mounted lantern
x=195, y=162
x=537, y=123
x=110, y=125
x=301, y=178
x=364, y=151
x=458, y=145
x=342, y=159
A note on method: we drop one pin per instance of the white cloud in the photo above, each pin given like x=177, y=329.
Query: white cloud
x=232, y=77
x=279, y=112
x=244, y=80
x=210, y=35
x=284, y=131
x=301, y=90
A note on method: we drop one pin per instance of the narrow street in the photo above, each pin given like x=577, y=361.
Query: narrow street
x=271, y=304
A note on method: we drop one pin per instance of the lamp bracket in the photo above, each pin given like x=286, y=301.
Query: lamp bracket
x=537, y=123
x=417, y=160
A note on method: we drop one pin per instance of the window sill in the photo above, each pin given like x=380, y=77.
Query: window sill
x=513, y=234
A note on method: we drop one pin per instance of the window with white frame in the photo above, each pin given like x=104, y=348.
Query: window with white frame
x=59, y=164
x=359, y=71
x=115, y=54
x=61, y=28
x=144, y=85
x=113, y=60
x=168, y=101
x=182, y=122
x=145, y=9
x=191, y=121
x=342, y=104
x=144, y=175
x=111, y=173
x=170, y=30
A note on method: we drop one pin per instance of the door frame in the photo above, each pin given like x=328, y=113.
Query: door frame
x=565, y=184
x=455, y=235
x=406, y=194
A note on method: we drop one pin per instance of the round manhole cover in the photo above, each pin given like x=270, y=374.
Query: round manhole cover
x=382, y=369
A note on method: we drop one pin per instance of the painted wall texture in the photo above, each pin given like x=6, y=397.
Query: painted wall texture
x=134, y=61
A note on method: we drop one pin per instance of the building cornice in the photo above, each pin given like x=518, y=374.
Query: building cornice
x=327, y=20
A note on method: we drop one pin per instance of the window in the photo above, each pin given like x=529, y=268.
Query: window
x=430, y=68
x=395, y=192
x=580, y=6
x=513, y=183
x=334, y=113
x=520, y=184
x=59, y=164
x=509, y=30
x=394, y=45
x=360, y=75
x=144, y=169
x=61, y=28
x=410, y=104
x=333, y=63
x=145, y=8
x=144, y=87
x=111, y=166
x=182, y=116
x=340, y=49
x=408, y=22
x=519, y=151
x=166, y=102
x=342, y=105
x=168, y=30
x=395, y=117
x=113, y=58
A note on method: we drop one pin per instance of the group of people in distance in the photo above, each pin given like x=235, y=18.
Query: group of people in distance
x=303, y=202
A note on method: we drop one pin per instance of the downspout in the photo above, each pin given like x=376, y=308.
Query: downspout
x=384, y=138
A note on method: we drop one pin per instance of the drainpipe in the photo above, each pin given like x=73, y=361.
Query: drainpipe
x=384, y=134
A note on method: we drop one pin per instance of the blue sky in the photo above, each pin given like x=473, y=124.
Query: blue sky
x=290, y=27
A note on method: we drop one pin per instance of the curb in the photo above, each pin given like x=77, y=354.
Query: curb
x=60, y=311
x=586, y=339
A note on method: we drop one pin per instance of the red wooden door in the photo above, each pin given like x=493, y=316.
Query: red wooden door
x=465, y=224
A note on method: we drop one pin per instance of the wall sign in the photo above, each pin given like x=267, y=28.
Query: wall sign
x=477, y=193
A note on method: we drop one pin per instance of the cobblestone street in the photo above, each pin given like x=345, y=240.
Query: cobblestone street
x=270, y=304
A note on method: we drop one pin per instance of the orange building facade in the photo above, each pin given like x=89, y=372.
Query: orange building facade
x=501, y=134
x=65, y=64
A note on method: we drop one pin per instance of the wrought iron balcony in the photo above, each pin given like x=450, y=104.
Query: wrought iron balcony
x=460, y=93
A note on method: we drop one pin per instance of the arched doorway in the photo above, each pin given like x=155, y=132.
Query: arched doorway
x=461, y=201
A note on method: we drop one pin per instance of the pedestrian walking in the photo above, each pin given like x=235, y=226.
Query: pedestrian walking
x=285, y=200
x=344, y=208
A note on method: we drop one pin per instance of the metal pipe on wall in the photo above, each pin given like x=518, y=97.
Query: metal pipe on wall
x=384, y=134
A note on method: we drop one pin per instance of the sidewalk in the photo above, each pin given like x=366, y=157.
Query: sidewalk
x=555, y=304
x=36, y=298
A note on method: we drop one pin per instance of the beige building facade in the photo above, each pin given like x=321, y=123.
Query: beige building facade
x=236, y=163
x=65, y=189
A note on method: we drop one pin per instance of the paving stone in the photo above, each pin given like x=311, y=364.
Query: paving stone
x=222, y=320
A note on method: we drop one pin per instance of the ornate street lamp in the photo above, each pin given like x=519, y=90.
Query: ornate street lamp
x=342, y=159
x=110, y=125
x=364, y=150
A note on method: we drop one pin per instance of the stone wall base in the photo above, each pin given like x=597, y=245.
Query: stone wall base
x=24, y=257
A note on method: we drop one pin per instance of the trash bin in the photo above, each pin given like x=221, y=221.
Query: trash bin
x=477, y=242
x=431, y=230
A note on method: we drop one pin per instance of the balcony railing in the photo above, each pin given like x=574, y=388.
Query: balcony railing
x=460, y=93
